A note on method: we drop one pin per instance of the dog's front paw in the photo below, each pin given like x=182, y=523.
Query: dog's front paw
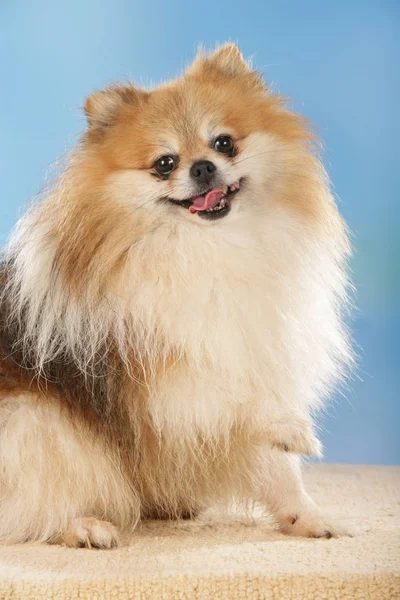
x=295, y=436
x=91, y=533
x=313, y=525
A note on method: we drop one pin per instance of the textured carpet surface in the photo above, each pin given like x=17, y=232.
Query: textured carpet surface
x=229, y=558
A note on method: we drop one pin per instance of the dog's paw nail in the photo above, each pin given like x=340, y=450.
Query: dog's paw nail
x=91, y=533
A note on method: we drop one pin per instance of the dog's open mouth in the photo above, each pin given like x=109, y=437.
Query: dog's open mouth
x=212, y=204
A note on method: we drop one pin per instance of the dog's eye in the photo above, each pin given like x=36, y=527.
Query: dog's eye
x=224, y=144
x=165, y=165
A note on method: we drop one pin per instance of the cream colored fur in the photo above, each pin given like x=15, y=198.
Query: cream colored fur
x=53, y=471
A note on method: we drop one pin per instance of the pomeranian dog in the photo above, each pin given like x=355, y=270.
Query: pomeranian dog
x=171, y=315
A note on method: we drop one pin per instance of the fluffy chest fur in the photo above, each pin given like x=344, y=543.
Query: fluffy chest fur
x=236, y=325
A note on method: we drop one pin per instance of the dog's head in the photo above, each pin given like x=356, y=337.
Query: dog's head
x=200, y=148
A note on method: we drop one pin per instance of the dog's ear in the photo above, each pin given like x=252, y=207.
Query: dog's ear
x=101, y=108
x=227, y=61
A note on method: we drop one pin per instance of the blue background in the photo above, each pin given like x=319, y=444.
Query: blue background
x=338, y=61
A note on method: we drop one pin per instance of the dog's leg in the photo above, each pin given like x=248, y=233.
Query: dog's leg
x=57, y=478
x=278, y=484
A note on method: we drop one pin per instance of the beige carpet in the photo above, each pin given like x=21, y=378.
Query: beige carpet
x=232, y=558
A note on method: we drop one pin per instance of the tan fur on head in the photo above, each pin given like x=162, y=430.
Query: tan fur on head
x=176, y=341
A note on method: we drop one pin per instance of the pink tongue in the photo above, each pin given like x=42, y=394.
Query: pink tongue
x=210, y=200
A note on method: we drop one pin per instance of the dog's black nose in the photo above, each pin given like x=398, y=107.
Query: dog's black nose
x=203, y=171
